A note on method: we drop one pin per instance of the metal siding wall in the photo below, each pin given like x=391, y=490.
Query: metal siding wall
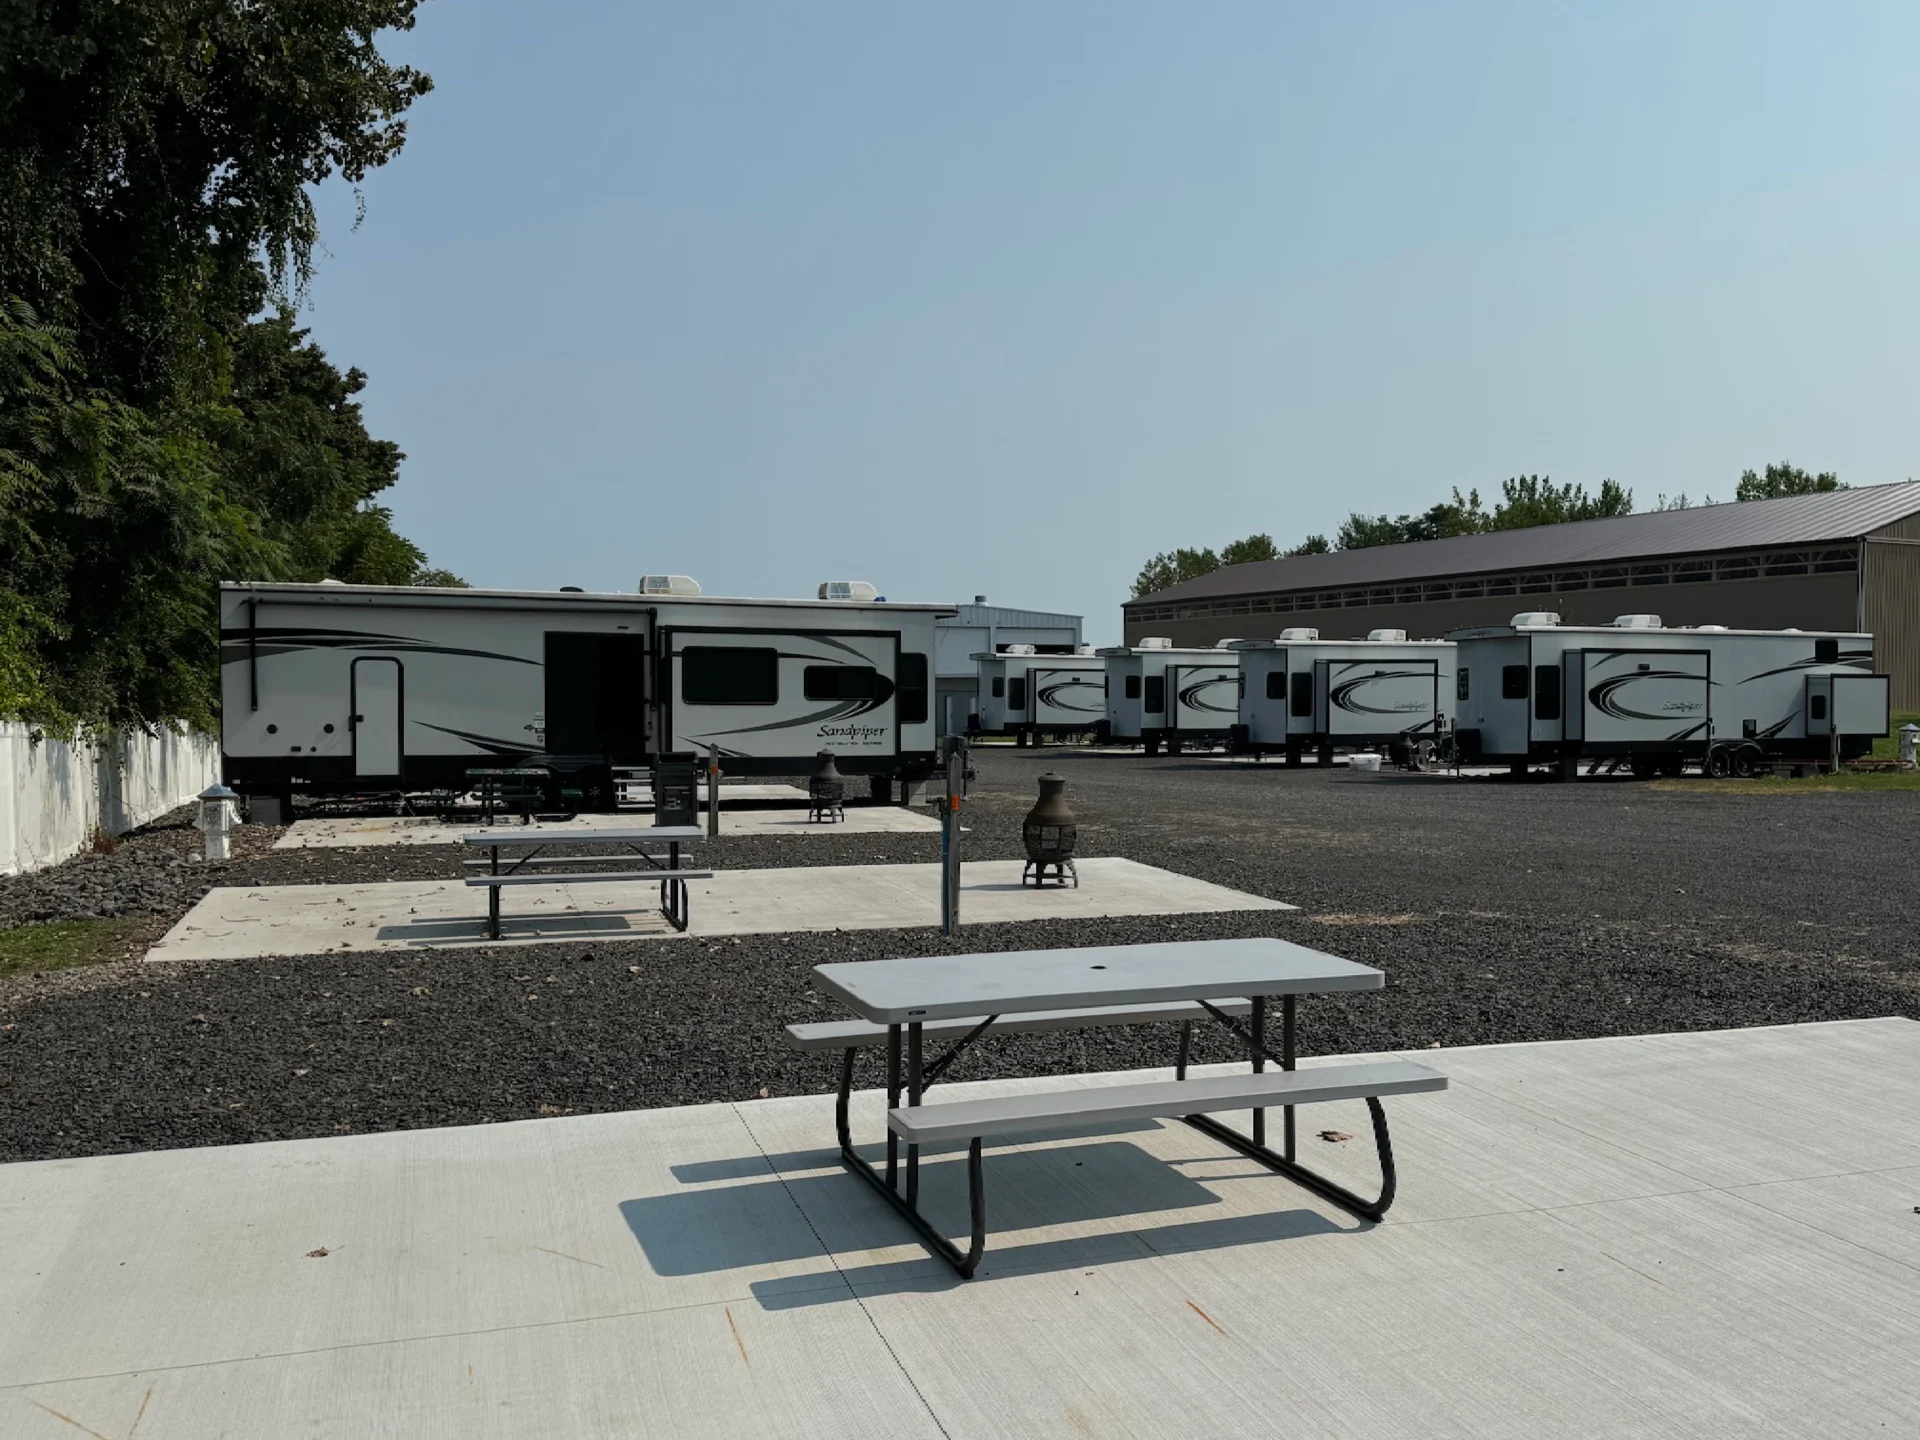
x=1810, y=602
x=1907, y=529
x=1892, y=591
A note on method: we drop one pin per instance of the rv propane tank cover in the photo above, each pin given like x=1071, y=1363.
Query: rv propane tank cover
x=1534, y=619
x=848, y=590
x=1637, y=622
x=669, y=585
x=1394, y=636
x=1155, y=642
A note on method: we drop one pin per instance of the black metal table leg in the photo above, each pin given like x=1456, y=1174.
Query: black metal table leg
x=893, y=1099
x=913, y=1099
x=1286, y=1063
x=493, y=899
x=1258, y=1024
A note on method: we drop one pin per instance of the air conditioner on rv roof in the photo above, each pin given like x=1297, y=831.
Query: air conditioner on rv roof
x=1154, y=642
x=669, y=585
x=1637, y=622
x=1535, y=619
x=848, y=590
x=1019, y=650
x=1228, y=644
x=1299, y=633
x=1397, y=636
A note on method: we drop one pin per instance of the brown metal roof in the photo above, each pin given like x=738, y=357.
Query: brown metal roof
x=1750, y=525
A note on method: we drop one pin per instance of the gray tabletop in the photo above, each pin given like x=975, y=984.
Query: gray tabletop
x=939, y=987
x=527, y=835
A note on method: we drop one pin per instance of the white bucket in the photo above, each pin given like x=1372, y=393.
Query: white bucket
x=1365, y=760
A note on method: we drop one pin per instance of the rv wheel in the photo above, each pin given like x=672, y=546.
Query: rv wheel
x=1749, y=761
x=1719, y=762
x=1673, y=765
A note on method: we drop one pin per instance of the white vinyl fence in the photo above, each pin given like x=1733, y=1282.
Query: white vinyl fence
x=53, y=795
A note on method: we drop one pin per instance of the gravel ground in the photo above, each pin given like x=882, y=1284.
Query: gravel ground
x=1500, y=911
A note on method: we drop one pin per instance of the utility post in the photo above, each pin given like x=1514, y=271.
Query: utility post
x=713, y=792
x=950, y=833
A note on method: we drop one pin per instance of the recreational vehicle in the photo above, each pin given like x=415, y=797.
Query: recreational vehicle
x=1657, y=698
x=1159, y=695
x=353, y=688
x=1026, y=694
x=1304, y=693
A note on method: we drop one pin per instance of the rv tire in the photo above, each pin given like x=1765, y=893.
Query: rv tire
x=1719, y=762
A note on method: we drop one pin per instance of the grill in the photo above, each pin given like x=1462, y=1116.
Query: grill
x=826, y=790
x=1050, y=833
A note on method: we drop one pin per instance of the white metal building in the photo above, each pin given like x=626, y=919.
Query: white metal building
x=982, y=628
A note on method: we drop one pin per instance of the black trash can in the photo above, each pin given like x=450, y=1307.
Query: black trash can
x=674, y=792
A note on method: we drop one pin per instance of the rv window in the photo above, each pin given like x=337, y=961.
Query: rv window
x=724, y=675
x=1133, y=687
x=1546, y=692
x=1276, y=684
x=1826, y=652
x=1156, y=703
x=1817, y=707
x=999, y=687
x=1302, y=702
x=910, y=702
x=1017, y=693
x=1460, y=683
x=1513, y=682
x=840, y=682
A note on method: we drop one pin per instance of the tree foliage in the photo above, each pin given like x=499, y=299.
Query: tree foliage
x=1782, y=480
x=1175, y=566
x=164, y=424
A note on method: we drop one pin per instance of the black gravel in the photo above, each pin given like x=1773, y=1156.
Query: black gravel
x=1500, y=911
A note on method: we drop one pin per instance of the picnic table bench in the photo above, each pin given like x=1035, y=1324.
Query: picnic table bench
x=533, y=868
x=905, y=1002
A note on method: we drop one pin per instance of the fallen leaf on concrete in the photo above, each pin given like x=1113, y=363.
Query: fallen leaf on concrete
x=1336, y=1137
x=319, y=1254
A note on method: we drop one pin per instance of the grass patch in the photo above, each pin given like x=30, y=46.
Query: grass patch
x=61, y=944
x=1782, y=785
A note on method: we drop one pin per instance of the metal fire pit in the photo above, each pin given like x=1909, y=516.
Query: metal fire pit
x=826, y=790
x=1050, y=833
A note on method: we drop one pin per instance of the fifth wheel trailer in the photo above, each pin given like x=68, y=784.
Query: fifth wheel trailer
x=1026, y=694
x=1300, y=692
x=1659, y=698
x=1157, y=694
x=351, y=688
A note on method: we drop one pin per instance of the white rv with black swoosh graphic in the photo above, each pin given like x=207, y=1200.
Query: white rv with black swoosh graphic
x=342, y=688
x=1027, y=694
x=1158, y=695
x=1304, y=693
x=1660, y=698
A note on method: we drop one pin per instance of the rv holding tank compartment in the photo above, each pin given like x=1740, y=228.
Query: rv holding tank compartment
x=1028, y=695
x=1158, y=695
x=1302, y=693
x=356, y=688
x=1658, y=698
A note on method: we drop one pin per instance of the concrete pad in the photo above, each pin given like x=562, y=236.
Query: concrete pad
x=235, y=922
x=352, y=832
x=713, y=1270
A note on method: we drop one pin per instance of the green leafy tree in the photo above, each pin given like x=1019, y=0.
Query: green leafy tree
x=1312, y=545
x=1245, y=552
x=1782, y=480
x=1171, y=567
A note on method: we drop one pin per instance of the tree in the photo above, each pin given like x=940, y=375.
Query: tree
x=157, y=159
x=1312, y=545
x=1782, y=480
x=1531, y=500
x=1245, y=552
x=1171, y=567
x=1461, y=515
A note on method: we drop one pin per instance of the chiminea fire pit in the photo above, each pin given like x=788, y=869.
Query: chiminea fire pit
x=1050, y=833
x=827, y=789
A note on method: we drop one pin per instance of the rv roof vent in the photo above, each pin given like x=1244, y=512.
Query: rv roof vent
x=1155, y=642
x=1020, y=650
x=1534, y=619
x=331, y=581
x=1710, y=627
x=848, y=590
x=1637, y=622
x=669, y=585
x=1299, y=633
x=571, y=590
x=1394, y=635
x=1085, y=650
x=1228, y=644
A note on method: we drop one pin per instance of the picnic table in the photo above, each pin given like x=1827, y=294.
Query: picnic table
x=532, y=868
x=512, y=787
x=904, y=1002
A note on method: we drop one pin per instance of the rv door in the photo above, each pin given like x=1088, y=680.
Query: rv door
x=376, y=713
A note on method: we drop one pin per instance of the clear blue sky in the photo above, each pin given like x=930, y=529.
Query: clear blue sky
x=1004, y=297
